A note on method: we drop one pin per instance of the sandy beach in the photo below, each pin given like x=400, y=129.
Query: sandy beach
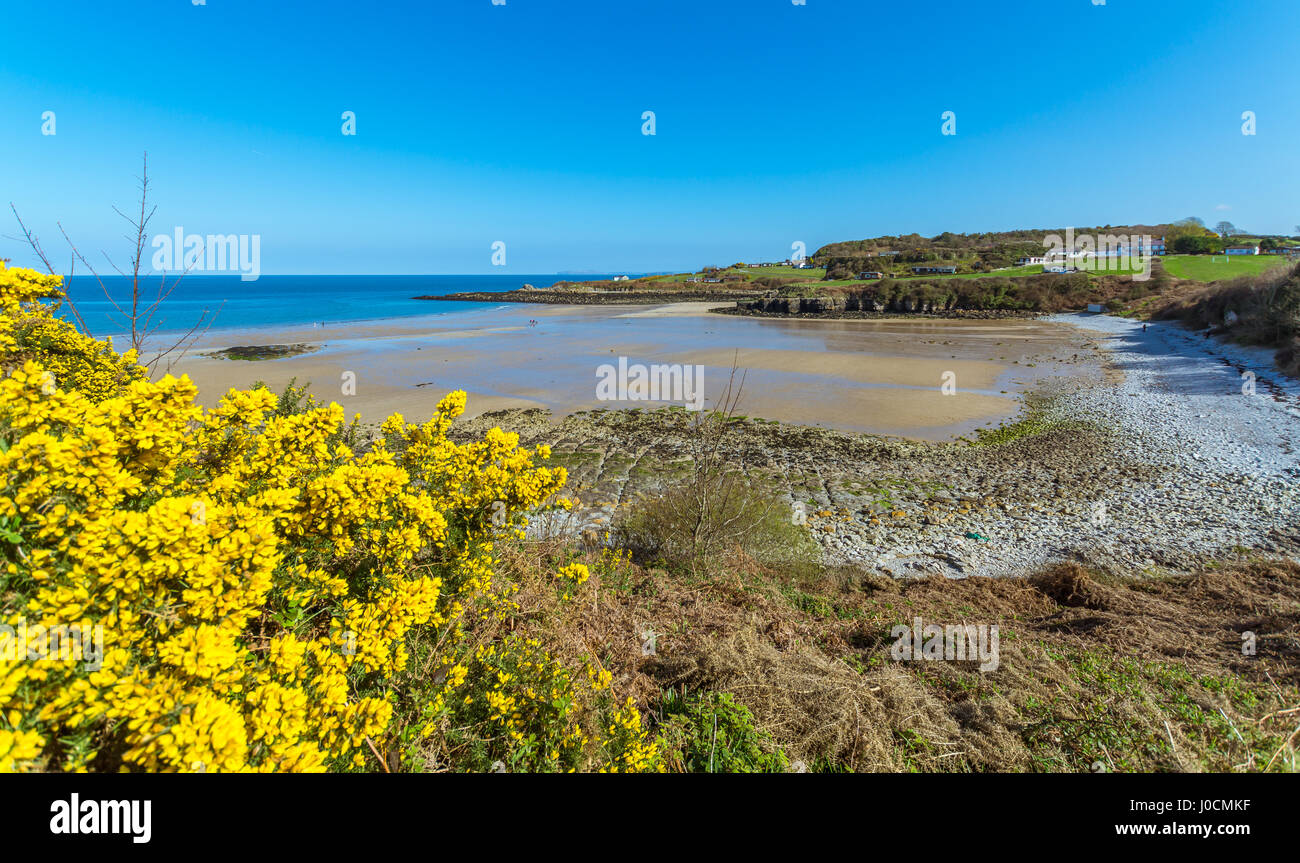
x=877, y=375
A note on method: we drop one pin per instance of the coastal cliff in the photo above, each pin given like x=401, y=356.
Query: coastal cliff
x=859, y=306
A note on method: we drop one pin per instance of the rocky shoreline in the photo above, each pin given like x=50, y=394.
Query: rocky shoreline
x=258, y=353
x=1162, y=464
x=591, y=298
x=747, y=304
x=816, y=308
x=852, y=305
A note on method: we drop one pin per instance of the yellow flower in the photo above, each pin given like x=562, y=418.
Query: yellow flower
x=259, y=577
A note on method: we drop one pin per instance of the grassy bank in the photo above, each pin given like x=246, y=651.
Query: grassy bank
x=1262, y=310
x=714, y=627
x=1215, y=268
x=1096, y=672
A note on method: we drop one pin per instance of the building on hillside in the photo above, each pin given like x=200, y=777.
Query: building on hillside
x=1242, y=250
x=1030, y=261
x=945, y=271
x=622, y=278
x=871, y=275
x=1141, y=246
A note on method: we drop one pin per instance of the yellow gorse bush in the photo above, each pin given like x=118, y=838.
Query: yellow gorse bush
x=71, y=360
x=258, y=581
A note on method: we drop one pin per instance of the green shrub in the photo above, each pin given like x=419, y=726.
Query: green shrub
x=693, y=527
x=711, y=733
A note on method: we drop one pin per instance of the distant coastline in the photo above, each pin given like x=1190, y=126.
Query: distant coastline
x=288, y=301
x=591, y=298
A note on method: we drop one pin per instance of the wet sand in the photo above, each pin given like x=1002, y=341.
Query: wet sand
x=874, y=375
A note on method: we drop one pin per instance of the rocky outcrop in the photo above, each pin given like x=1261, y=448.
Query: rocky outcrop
x=851, y=305
x=589, y=297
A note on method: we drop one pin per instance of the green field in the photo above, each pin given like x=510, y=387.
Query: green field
x=1014, y=272
x=813, y=273
x=814, y=287
x=1212, y=268
x=1009, y=272
x=750, y=273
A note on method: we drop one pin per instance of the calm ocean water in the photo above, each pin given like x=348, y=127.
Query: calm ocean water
x=291, y=300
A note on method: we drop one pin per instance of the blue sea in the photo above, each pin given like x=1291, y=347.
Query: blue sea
x=273, y=301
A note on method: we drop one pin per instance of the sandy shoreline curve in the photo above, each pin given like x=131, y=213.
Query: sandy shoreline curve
x=873, y=375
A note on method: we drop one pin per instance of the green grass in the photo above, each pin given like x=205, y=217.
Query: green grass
x=1113, y=270
x=1037, y=419
x=712, y=733
x=811, y=274
x=811, y=288
x=1011, y=272
x=784, y=272
x=1032, y=270
x=1213, y=268
x=1160, y=696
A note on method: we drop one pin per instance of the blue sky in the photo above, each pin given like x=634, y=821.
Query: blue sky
x=775, y=123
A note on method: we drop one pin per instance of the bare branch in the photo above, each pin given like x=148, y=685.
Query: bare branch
x=35, y=243
x=138, y=316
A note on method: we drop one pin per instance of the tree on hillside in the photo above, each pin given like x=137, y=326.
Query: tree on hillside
x=1225, y=229
x=1187, y=232
x=1191, y=244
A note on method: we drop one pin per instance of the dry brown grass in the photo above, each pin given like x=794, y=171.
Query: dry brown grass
x=1130, y=674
